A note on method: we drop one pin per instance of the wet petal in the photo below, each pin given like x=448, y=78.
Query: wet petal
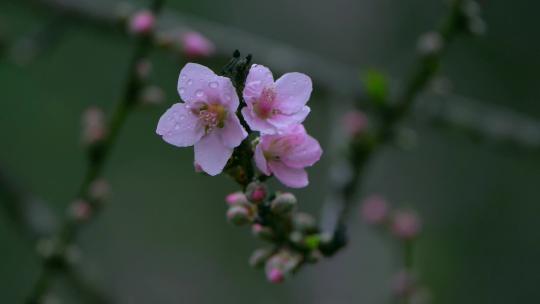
x=292, y=92
x=179, y=127
x=305, y=154
x=258, y=78
x=194, y=83
x=232, y=133
x=282, y=121
x=211, y=154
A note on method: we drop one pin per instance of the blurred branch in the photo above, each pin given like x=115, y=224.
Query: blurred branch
x=24, y=209
x=98, y=155
x=498, y=127
x=362, y=148
x=330, y=74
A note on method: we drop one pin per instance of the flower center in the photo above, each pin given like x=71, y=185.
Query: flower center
x=264, y=107
x=212, y=116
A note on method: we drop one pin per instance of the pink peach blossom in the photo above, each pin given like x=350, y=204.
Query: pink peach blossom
x=274, y=106
x=142, y=22
x=207, y=118
x=196, y=45
x=375, y=210
x=286, y=155
x=355, y=122
x=406, y=225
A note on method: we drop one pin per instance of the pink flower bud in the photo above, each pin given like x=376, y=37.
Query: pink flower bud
x=275, y=276
x=375, y=210
x=262, y=232
x=355, y=122
x=239, y=215
x=196, y=45
x=236, y=198
x=93, y=124
x=80, y=210
x=406, y=225
x=142, y=22
x=256, y=192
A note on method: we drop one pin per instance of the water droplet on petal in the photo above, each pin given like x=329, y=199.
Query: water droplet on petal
x=182, y=90
x=228, y=97
x=190, y=82
x=199, y=93
x=213, y=85
x=183, y=77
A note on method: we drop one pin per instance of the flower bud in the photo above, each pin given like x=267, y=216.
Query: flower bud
x=93, y=125
x=259, y=257
x=262, y=232
x=256, y=192
x=236, y=198
x=142, y=22
x=196, y=45
x=430, y=43
x=304, y=222
x=283, y=203
x=239, y=215
x=406, y=225
x=275, y=275
x=355, y=122
x=80, y=210
x=279, y=265
x=374, y=210
x=143, y=68
x=99, y=190
x=152, y=95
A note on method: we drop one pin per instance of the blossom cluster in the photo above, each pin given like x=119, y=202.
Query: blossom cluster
x=210, y=120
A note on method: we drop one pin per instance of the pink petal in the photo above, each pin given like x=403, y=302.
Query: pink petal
x=293, y=91
x=304, y=154
x=196, y=82
x=281, y=121
x=258, y=78
x=291, y=177
x=211, y=154
x=260, y=160
x=227, y=93
x=232, y=133
x=255, y=123
x=179, y=127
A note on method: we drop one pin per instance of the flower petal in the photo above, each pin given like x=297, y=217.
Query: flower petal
x=179, y=127
x=292, y=92
x=291, y=177
x=232, y=133
x=258, y=78
x=260, y=160
x=195, y=82
x=211, y=154
x=257, y=124
x=282, y=121
x=305, y=154
x=227, y=93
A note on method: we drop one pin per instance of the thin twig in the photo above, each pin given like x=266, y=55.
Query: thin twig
x=98, y=155
x=362, y=149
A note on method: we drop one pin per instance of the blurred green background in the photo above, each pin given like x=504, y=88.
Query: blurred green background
x=163, y=237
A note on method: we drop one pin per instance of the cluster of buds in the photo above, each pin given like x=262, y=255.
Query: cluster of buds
x=82, y=210
x=295, y=235
x=403, y=224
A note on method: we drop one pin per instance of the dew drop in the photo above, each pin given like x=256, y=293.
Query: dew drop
x=228, y=97
x=199, y=93
x=189, y=82
x=182, y=90
x=213, y=85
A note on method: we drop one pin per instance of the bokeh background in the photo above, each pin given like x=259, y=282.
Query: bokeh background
x=163, y=237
